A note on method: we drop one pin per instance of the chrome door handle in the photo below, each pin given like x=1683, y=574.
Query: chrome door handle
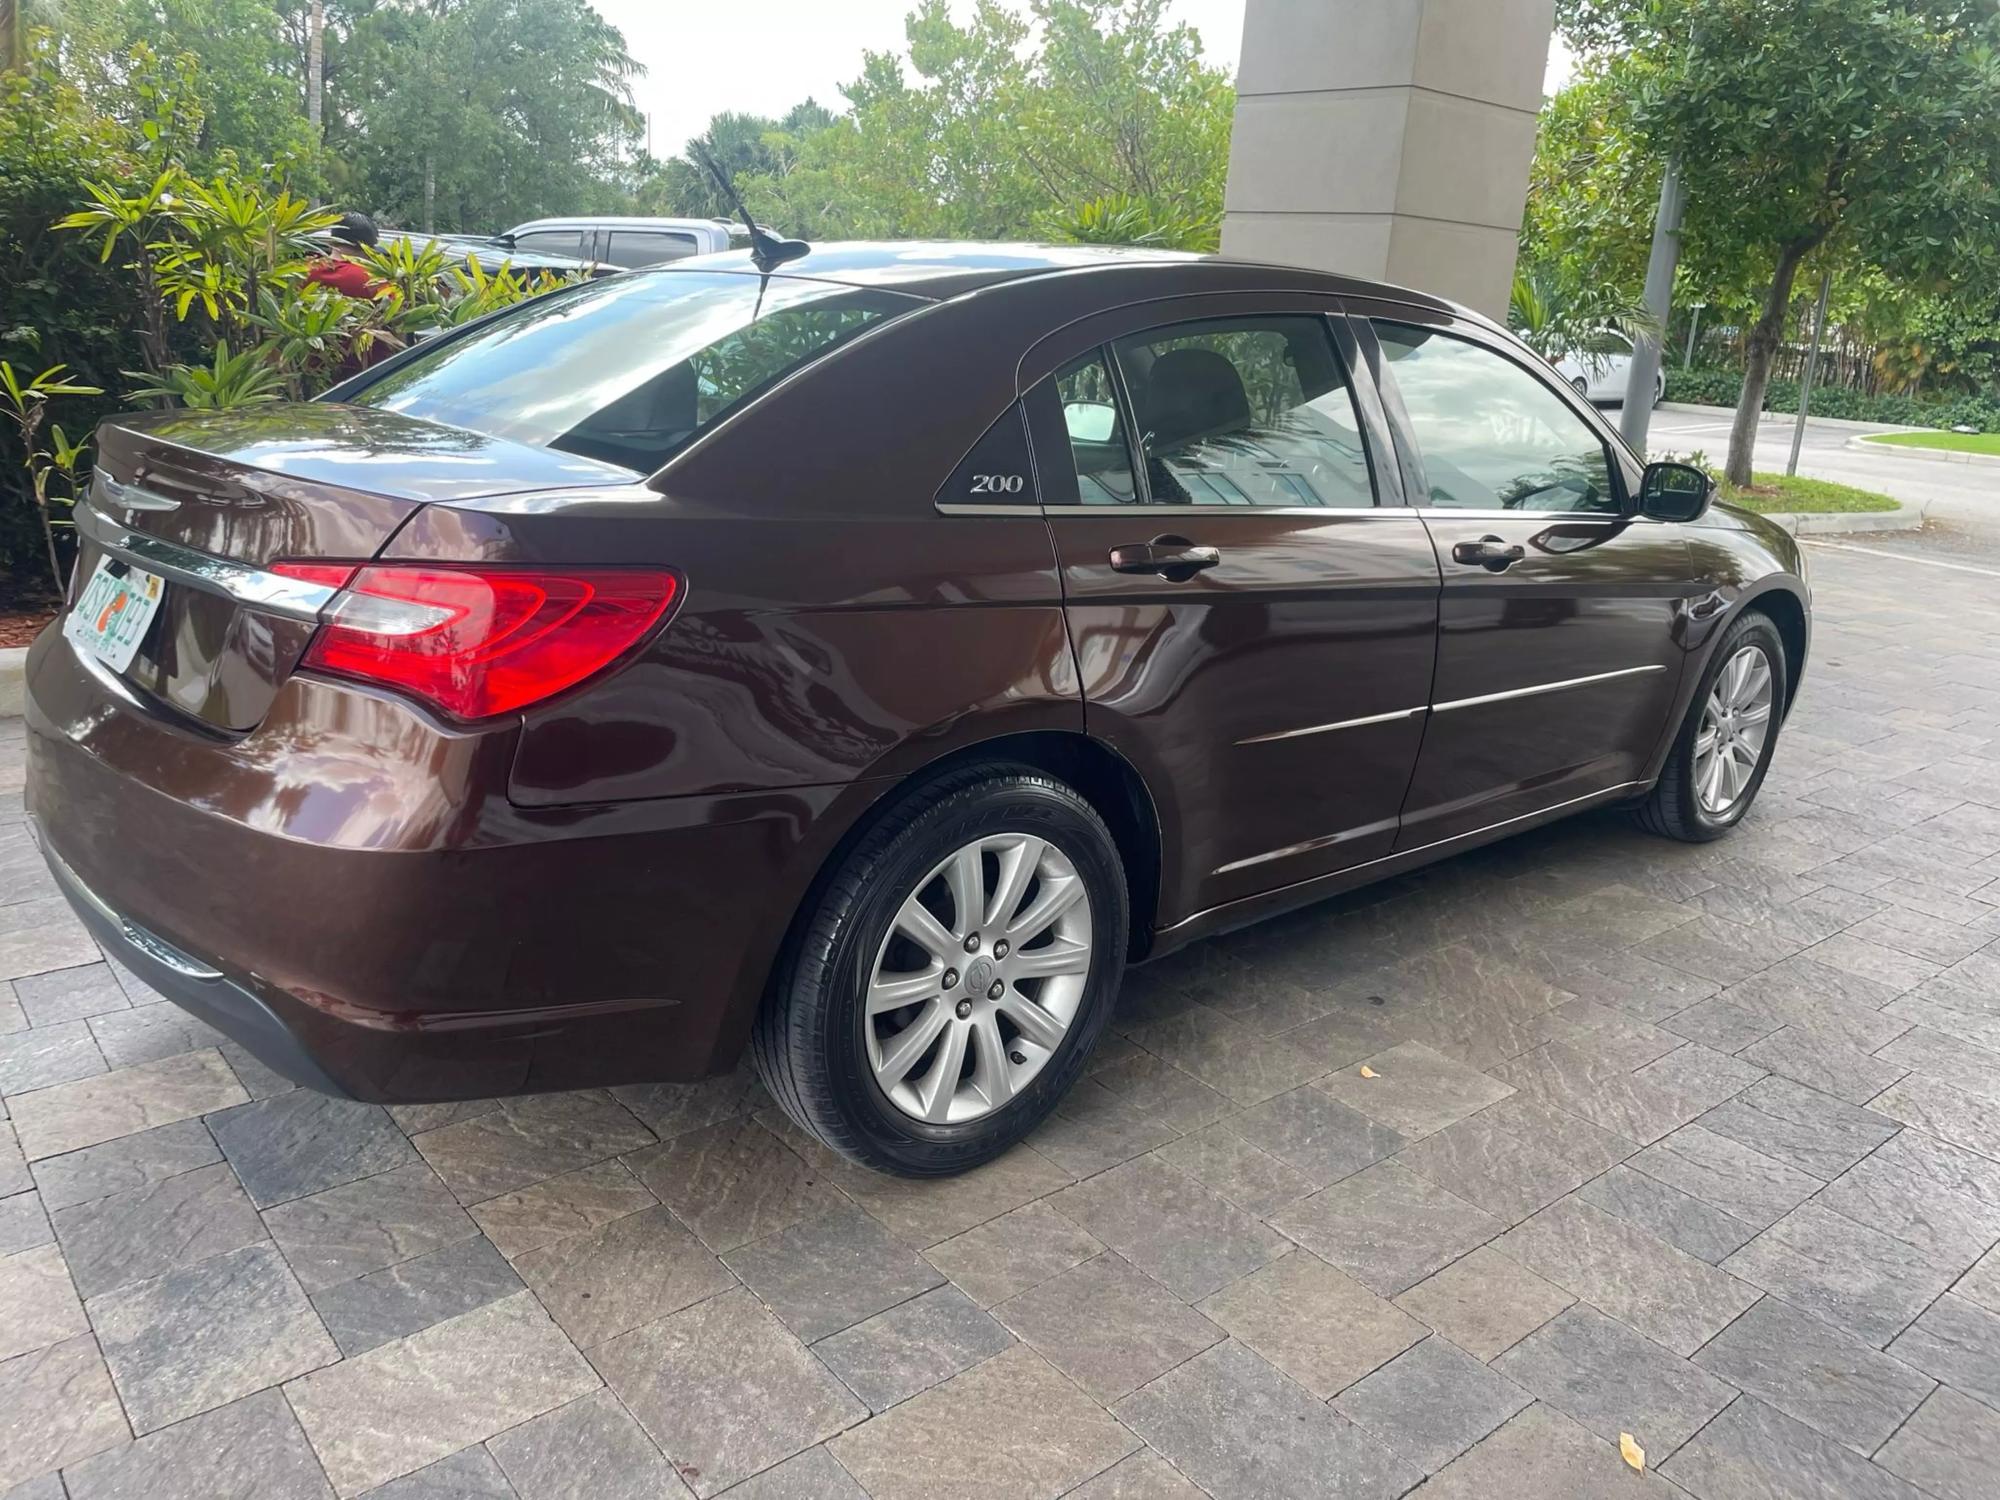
x=1174, y=558
x=1489, y=552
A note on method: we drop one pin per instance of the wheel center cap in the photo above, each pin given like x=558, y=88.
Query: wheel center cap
x=978, y=976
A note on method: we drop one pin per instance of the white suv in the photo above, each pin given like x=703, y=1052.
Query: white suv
x=622, y=242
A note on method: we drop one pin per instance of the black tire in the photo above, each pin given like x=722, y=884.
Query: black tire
x=808, y=1044
x=1672, y=809
x=1581, y=387
x=1660, y=388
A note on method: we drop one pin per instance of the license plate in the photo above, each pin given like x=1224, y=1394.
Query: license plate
x=112, y=611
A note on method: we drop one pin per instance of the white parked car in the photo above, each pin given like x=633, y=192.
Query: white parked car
x=1600, y=369
x=622, y=242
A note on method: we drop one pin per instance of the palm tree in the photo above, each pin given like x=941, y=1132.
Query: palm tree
x=1554, y=316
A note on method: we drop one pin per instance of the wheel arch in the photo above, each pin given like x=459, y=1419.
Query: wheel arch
x=1104, y=778
x=1787, y=611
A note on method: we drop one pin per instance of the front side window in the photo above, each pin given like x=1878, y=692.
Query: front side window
x=647, y=247
x=1493, y=436
x=1246, y=411
x=630, y=369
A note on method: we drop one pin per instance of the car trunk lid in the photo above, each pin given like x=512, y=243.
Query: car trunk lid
x=209, y=500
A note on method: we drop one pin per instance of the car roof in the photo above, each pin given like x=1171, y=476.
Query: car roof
x=947, y=268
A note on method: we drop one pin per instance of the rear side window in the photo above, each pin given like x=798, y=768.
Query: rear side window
x=551, y=242
x=630, y=369
x=647, y=247
x=1095, y=428
x=1249, y=411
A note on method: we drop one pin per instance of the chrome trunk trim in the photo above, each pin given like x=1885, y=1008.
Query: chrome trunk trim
x=254, y=588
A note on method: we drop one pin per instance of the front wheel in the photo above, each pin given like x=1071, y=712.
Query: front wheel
x=1725, y=744
x=952, y=976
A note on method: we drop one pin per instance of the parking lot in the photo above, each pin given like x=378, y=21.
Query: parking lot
x=1443, y=1187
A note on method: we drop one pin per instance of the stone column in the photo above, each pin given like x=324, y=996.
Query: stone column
x=1388, y=138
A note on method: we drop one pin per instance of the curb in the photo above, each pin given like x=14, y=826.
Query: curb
x=1694, y=409
x=1817, y=522
x=1929, y=455
x=13, y=681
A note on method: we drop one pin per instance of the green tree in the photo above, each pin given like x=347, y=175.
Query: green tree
x=1867, y=129
x=1006, y=123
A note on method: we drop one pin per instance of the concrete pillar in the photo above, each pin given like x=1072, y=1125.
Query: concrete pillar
x=1388, y=138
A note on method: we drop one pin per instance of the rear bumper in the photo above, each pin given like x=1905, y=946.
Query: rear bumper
x=204, y=992
x=348, y=892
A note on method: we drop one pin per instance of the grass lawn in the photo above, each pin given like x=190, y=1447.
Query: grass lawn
x=1957, y=442
x=1776, y=492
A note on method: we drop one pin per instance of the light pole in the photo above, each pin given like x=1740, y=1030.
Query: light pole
x=1638, y=413
x=1694, y=326
x=1812, y=365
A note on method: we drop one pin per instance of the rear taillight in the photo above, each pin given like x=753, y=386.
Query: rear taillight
x=479, y=641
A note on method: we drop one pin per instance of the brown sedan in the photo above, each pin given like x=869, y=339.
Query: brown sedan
x=862, y=665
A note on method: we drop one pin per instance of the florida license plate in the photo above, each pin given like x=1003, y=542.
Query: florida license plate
x=112, y=611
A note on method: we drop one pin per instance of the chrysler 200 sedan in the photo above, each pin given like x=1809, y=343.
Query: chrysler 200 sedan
x=860, y=666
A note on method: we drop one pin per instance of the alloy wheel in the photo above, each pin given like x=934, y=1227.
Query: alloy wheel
x=1735, y=726
x=978, y=979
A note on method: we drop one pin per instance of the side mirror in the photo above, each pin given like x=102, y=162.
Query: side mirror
x=1675, y=492
x=1090, y=421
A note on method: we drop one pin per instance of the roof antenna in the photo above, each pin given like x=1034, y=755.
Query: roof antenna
x=767, y=251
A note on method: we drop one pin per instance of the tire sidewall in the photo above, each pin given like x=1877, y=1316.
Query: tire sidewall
x=1006, y=804
x=1748, y=630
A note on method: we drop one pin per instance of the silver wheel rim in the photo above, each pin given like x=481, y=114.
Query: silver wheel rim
x=978, y=979
x=1735, y=727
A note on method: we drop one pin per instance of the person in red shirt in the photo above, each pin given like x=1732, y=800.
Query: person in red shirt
x=348, y=277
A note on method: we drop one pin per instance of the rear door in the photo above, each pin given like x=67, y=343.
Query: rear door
x=1254, y=626
x=1560, y=627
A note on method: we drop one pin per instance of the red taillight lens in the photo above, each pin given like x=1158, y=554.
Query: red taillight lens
x=480, y=641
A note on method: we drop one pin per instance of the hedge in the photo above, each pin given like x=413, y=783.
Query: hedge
x=1725, y=388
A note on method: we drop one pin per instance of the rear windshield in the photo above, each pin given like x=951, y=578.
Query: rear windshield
x=629, y=369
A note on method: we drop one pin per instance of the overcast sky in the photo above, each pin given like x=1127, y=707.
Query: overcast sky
x=765, y=56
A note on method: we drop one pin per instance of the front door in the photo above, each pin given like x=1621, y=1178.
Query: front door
x=1255, y=632
x=1560, y=625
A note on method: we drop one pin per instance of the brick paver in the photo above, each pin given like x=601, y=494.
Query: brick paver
x=1699, y=1144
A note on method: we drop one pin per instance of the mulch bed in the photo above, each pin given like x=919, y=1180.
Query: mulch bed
x=19, y=627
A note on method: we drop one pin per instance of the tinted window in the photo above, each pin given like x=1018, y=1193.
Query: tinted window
x=1493, y=436
x=647, y=247
x=1246, y=412
x=551, y=242
x=628, y=369
x=1096, y=433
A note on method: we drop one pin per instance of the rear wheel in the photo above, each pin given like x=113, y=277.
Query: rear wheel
x=1726, y=742
x=1582, y=387
x=1660, y=388
x=953, y=975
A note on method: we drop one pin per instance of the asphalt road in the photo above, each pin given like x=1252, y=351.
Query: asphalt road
x=1961, y=501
